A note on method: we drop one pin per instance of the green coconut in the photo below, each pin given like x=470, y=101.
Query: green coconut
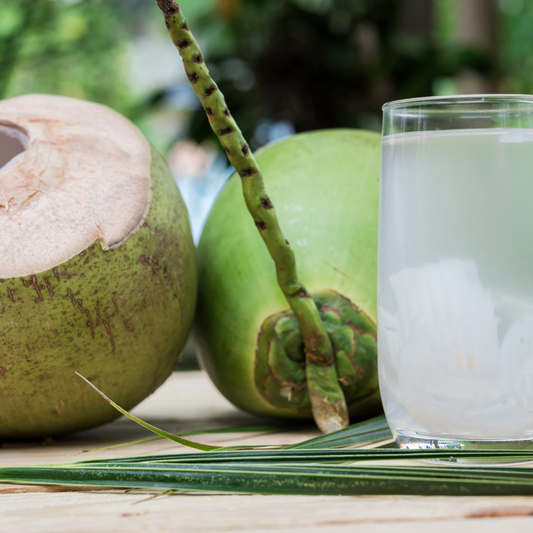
x=97, y=266
x=326, y=366
x=325, y=189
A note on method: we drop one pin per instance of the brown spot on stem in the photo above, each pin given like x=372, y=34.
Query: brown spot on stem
x=226, y=112
x=317, y=359
x=168, y=7
x=81, y=254
x=245, y=150
x=209, y=111
x=10, y=294
x=313, y=354
x=228, y=151
x=266, y=203
x=185, y=27
x=193, y=78
x=261, y=225
x=210, y=90
x=198, y=58
x=302, y=293
x=287, y=243
x=115, y=304
x=167, y=24
x=56, y=273
x=248, y=172
x=226, y=131
x=184, y=44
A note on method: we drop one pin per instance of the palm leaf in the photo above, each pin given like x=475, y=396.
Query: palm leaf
x=318, y=466
x=309, y=479
x=157, y=431
x=373, y=430
x=262, y=428
x=331, y=456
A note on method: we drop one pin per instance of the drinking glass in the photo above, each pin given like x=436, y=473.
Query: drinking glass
x=455, y=280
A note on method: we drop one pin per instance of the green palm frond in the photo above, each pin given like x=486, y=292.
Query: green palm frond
x=323, y=465
x=283, y=478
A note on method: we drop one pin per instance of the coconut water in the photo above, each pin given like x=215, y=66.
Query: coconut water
x=455, y=297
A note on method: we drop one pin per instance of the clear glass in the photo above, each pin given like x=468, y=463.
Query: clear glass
x=455, y=280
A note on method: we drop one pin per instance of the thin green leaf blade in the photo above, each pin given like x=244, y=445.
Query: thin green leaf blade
x=315, y=456
x=373, y=430
x=262, y=428
x=157, y=431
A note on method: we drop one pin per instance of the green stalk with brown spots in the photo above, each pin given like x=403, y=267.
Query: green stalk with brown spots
x=327, y=399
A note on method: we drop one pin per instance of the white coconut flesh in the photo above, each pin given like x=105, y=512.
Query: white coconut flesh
x=71, y=173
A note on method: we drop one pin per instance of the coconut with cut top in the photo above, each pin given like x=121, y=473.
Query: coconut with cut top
x=97, y=265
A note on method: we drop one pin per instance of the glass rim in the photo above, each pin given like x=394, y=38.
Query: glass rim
x=456, y=99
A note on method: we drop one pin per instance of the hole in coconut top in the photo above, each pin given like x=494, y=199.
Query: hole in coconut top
x=12, y=143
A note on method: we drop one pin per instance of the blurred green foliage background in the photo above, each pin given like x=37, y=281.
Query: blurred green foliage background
x=294, y=65
x=284, y=65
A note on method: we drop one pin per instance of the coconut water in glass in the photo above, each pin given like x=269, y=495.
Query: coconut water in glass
x=455, y=281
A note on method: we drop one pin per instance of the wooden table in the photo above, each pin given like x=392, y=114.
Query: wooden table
x=188, y=401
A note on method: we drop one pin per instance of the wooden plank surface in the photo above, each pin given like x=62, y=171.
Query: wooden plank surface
x=186, y=402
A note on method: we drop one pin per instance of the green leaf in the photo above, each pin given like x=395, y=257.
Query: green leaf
x=11, y=19
x=373, y=430
x=178, y=438
x=264, y=428
x=157, y=431
x=285, y=479
x=314, y=456
x=318, y=466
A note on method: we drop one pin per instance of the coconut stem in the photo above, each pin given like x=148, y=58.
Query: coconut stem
x=327, y=399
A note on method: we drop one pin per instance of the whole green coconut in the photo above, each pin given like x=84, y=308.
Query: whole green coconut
x=325, y=189
x=97, y=266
